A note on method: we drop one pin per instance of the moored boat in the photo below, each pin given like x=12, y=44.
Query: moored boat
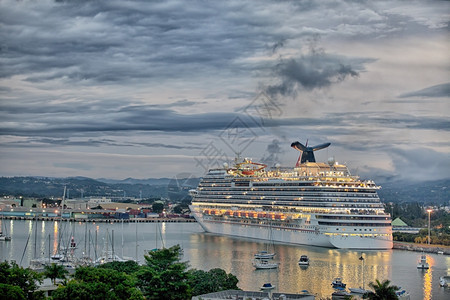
x=314, y=203
x=340, y=295
x=267, y=286
x=4, y=236
x=264, y=264
x=359, y=290
x=338, y=284
x=402, y=294
x=303, y=261
x=444, y=280
x=423, y=264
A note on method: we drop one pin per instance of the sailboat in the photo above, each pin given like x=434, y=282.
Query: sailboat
x=4, y=235
x=267, y=254
x=360, y=290
x=158, y=235
x=264, y=264
x=108, y=254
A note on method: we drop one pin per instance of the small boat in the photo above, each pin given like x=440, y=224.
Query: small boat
x=359, y=290
x=338, y=284
x=267, y=286
x=423, y=264
x=264, y=264
x=338, y=295
x=58, y=256
x=444, y=280
x=264, y=255
x=402, y=294
x=303, y=261
x=4, y=237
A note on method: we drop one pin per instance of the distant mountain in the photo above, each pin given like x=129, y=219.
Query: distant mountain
x=437, y=191
x=81, y=186
x=177, y=189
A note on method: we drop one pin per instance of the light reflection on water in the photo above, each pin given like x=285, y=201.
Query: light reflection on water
x=206, y=251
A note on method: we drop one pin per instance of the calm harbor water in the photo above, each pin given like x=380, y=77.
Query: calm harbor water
x=205, y=251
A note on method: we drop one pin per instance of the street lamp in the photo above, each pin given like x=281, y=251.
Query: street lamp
x=361, y=258
x=429, y=216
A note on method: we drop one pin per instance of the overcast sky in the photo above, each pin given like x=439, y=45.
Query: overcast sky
x=142, y=89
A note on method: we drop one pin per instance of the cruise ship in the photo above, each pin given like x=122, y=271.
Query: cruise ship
x=314, y=203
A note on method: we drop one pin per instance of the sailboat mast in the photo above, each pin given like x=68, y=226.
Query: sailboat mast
x=107, y=242
x=49, y=243
x=136, y=242
x=112, y=244
x=85, y=238
x=122, y=237
x=89, y=249
x=35, y=237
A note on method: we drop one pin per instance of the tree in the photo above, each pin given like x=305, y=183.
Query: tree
x=99, y=283
x=128, y=267
x=25, y=279
x=214, y=280
x=382, y=291
x=164, y=276
x=157, y=207
x=11, y=292
x=54, y=271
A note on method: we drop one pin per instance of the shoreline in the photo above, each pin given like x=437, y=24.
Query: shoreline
x=422, y=248
x=105, y=220
x=437, y=249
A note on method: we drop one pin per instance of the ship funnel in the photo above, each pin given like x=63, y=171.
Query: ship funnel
x=307, y=152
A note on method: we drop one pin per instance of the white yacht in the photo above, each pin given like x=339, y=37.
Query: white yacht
x=423, y=264
x=303, y=261
x=313, y=203
x=264, y=264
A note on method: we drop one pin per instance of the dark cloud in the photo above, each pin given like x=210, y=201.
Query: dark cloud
x=314, y=71
x=440, y=90
x=90, y=142
x=271, y=157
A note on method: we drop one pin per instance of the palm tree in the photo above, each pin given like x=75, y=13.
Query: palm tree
x=54, y=271
x=382, y=291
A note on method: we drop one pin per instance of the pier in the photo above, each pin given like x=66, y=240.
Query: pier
x=83, y=220
x=438, y=249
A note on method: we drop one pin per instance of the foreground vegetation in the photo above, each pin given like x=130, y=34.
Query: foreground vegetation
x=163, y=276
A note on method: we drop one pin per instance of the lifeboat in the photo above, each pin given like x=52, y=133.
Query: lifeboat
x=248, y=168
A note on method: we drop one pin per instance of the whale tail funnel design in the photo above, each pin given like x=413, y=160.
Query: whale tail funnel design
x=307, y=153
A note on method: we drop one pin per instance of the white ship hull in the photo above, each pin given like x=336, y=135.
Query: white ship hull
x=292, y=236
